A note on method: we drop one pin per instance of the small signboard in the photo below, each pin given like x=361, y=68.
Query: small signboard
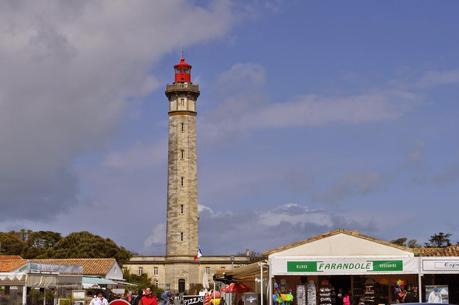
x=440, y=265
x=78, y=294
x=193, y=300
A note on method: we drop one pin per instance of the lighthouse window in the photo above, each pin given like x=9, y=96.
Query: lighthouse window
x=181, y=180
x=181, y=236
x=181, y=153
x=183, y=127
x=181, y=208
x=182, y=102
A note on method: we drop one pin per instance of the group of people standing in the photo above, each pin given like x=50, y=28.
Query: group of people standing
x=145, y=297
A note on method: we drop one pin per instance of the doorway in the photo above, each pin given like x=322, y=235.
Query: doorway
x=181, y=285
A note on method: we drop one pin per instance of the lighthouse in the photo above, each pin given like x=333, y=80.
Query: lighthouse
x=178, y=270
x=182, y=184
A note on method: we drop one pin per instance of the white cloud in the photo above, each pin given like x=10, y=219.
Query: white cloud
x=437, y=78
x=264, y=229
x=139, y=156
x=242, y=76
x=157, y=236
x=67, y=71
x=246, y=109
x=295, y=214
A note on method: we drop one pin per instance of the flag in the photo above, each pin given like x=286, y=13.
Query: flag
x=198, y=255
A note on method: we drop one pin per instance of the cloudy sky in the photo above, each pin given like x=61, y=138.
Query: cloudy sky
x=313, y=115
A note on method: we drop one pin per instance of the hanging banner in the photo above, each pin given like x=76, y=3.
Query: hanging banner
x=311, y=293
x=300, y=295
x=343, y=265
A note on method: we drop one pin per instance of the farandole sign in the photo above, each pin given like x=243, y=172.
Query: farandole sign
x=346, y=267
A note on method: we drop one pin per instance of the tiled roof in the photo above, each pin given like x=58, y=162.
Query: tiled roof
x=9, y=263
x=91, y=266
x=335, y=232
x=4, y=257
x=447, y=251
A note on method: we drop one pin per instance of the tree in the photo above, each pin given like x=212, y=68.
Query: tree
x=11, y=244
x=400, y=241
x=142, y=281
x=403, y=241
x=439, y=240
x=88, y=245
x=40, y=243
x=413, y=243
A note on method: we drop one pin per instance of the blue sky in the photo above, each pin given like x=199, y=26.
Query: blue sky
x=312, y=116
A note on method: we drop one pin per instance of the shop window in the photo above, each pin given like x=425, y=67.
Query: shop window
x=155, y=271
x=140, y=271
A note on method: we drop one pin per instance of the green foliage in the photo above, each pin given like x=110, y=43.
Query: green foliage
x=48, y=244
x=400, y=241
x=142, y=281
x=65, y=301
x=403, y=241
x=11, y=244
x=87, y=245
x=439, y=240
x=413, y=243
x=39, y=244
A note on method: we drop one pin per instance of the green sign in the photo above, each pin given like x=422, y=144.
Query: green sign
x=387, y=265
x=301, y=266
x=324, y=266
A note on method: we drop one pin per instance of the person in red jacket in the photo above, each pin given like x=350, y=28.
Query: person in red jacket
x=148, y=298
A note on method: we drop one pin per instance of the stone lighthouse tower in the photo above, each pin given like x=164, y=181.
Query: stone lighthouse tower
x=178, y=271
x=182, y=188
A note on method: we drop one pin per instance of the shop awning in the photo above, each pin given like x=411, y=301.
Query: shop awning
x=12, y=278
x=92, y=282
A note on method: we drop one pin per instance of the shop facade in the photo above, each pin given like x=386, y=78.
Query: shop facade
x=324, y=270
x=440, y=279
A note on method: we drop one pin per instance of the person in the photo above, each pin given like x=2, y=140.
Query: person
x=339, y=297
x=99, y=300
x=137, y=298
x=166, y=298
x=148, y=298
x=347, y=299
x=127, y=296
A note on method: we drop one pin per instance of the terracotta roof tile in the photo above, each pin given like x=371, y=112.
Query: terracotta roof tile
x=91, y=266
x=9, y=263
x=447, y=251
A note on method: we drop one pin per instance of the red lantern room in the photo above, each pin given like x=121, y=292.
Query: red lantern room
x=182, y=71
